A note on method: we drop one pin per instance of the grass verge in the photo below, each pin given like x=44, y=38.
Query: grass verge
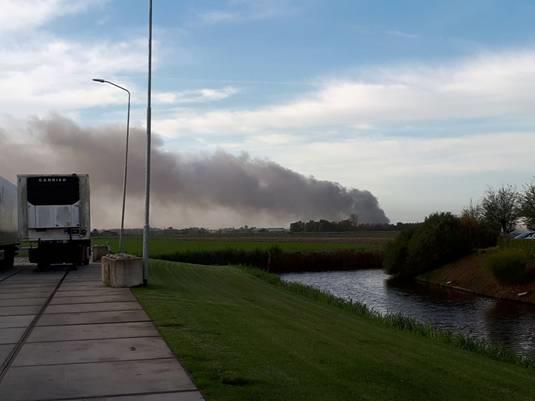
x=472, y=273
x=245, y=335
x=166, y=246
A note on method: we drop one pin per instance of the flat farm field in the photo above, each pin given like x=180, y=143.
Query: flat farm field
x=163, y=245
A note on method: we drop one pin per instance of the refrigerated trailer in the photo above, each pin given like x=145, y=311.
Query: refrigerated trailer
x=54, y=217
x=8, y=223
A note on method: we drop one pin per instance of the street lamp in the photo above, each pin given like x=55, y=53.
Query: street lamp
x=121, y=240
x=146, y=227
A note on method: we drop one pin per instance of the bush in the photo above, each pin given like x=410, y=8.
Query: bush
x=285, y=262
x=442, y=238
x=397, y=253
x=480, y=234
x=524, y=244
x=512, y=265
x=277, y=261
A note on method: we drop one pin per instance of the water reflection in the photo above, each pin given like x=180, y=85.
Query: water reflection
x=508, y=323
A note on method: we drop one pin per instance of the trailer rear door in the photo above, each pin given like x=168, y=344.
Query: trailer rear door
x=53, y=202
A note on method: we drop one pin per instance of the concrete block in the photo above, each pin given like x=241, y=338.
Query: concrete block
x=27, y=286
x=95, y=292
x=90, y=332
x=82, y=285
x=34, y=277
x=4, y=352
x=22, y=301
x=57, y=319
x=122, y=271
x=87, y=351
x=19, y=310
x=13, y=293
x=7, y=322
x=91, y=299
x=99, y=251
x=90, y=380
x=11, y=336
x=182, y=396
x=93, y=307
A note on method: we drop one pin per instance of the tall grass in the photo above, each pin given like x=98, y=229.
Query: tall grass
x=513, y=262
x=276, y=260
x=526, y=244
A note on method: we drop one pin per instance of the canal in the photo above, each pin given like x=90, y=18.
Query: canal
x=506, y=323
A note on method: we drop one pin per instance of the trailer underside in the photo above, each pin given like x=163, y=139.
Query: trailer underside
x=7, y=256
x=76, y=252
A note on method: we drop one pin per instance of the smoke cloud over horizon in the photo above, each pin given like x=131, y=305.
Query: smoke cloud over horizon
x=212, y=190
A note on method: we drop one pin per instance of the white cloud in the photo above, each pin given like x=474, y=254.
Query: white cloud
x=43, y=73
x=56, y=75
x=377, y=159
x=486, y=86
x=219, y=16
x=402, y=34
x=195, y=95
x=391, y=157
x=245, y=10
x=18, y=15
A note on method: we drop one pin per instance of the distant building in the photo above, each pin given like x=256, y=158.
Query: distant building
x=277, y=230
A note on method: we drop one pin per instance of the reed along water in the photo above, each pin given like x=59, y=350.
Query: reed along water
x=506, y=323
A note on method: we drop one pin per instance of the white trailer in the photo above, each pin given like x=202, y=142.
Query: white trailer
x=8, y=223
x=54, y=216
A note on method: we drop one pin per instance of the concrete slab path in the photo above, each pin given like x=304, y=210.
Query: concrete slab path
x=64, y=336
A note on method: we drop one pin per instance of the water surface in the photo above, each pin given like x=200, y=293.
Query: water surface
x=507, y=323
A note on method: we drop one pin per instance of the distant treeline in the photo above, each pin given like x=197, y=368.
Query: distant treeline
x=277, y=261
x=193, y=231
x=320, y=226
x=348, y=225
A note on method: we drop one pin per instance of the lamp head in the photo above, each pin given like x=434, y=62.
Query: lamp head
x=99, y=80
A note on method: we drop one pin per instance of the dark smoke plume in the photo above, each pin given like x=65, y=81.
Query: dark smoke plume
x=219, y=187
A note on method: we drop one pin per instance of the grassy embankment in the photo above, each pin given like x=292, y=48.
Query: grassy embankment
x=243, y=335
x=472, y=274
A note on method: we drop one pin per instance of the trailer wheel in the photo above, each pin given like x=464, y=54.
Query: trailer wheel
x=9, y=259
x=4, y=262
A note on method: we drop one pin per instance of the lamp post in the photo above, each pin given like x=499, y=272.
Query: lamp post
x=146, y=227
x=121, y=232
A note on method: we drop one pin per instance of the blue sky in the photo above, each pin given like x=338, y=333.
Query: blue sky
x=424, y=103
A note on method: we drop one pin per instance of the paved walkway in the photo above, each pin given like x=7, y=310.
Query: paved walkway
x=63, y=336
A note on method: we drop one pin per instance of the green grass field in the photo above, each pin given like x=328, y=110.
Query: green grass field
x=163, y=246
x=245, y=337
x=526, y=244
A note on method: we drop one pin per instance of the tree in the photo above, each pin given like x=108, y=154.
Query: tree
x=297, y=227
x=501, y=207
x=440, y=239
x=473, y=212
x=527, y=200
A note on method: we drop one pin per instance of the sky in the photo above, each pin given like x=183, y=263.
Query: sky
x=425, y=104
